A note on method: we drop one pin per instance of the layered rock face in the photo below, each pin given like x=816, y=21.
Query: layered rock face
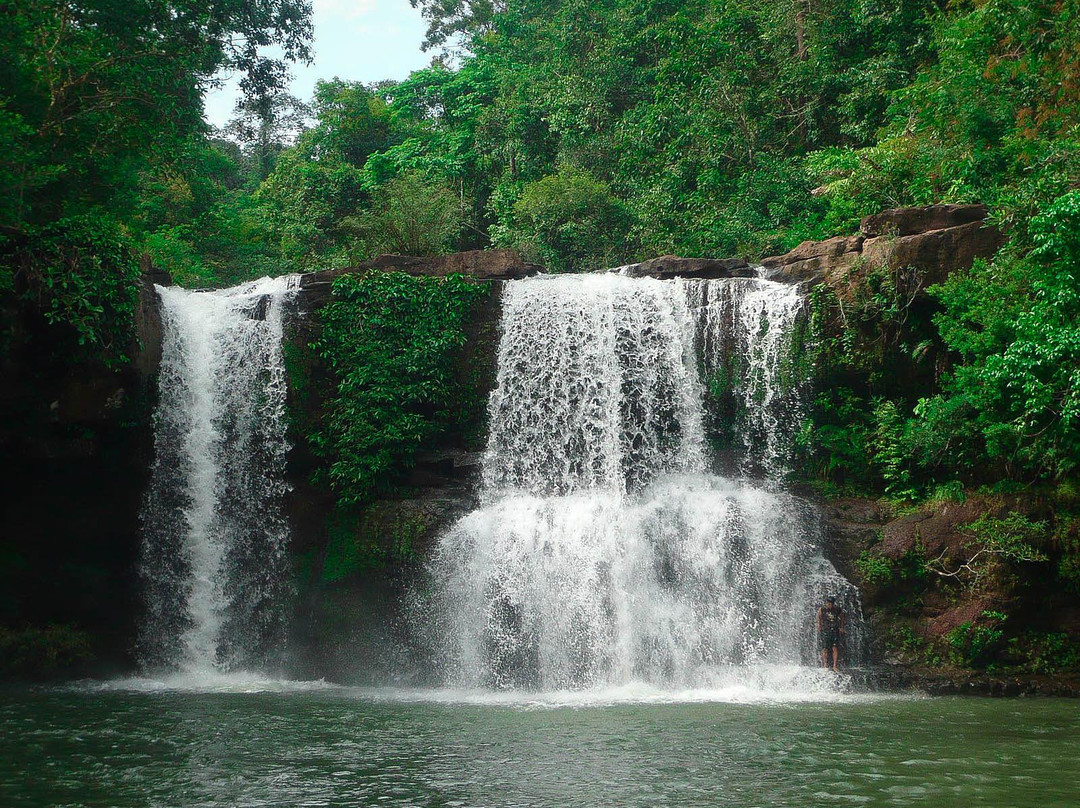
x=936, y=241
x=75, y=446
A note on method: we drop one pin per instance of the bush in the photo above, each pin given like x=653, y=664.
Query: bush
x=390, y=341
x=370, y=541
x=973, y=646
x=1013, y=403
x=875, y=569
x=1014, y=539
x=81, y=273
x=1067, y=536
x=413, y=215
x=1047, y=652
x=568, y=221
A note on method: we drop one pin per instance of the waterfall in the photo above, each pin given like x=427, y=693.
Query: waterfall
x=604, y=551
x=213, y=559
x=745, y=330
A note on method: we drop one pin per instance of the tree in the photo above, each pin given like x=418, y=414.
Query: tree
x=94, y=93
x=413, y=215
x=88, y=86
x=267, y=124
x=569, y=220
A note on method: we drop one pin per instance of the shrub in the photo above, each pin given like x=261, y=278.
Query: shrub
x=568, y=221
x=974, y=646
x=1047, y=652
x=413, y=215
x=1014, y=539
x=81, y=273
x=875, y=569
x=390, y=341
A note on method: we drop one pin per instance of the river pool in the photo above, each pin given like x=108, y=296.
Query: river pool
x=263, y=743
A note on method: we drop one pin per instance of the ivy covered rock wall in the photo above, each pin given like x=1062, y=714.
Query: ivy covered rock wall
x=391, y=364
x=75, y=446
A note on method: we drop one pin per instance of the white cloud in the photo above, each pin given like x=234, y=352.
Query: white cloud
x=342, y=9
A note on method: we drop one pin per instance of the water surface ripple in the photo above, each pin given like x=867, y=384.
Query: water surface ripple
x=319, y=746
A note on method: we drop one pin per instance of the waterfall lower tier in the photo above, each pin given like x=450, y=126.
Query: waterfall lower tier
x=675, y=587
x=213, y=557
x=605, y=552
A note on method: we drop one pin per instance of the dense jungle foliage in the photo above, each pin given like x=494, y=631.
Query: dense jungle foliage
x=390, y=341
x=584, y=133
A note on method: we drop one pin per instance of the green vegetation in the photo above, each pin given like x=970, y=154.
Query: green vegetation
x=80, y=273
x=1046, y=652
x=41, y=653
x=974, y=646
x=593, y=133
x=370, y=541
x=389, y=340
x=880, y=571
x=876, y=570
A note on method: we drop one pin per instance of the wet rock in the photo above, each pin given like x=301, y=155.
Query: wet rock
x=147, y=349
x=672, y=266
x=92, y=399
x=936, y=528
x=965, y=683
x=970, y=611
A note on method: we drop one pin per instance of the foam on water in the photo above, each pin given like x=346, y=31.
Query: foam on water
x=206, y=682
x=762, y=685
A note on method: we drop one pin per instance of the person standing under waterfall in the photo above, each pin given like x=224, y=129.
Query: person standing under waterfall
x=830, y=628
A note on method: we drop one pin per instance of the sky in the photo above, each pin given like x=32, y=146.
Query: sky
x=358, y=40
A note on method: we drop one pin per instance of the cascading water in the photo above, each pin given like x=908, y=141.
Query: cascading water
x=745, y=328
x=214, y=537
x=604, y=553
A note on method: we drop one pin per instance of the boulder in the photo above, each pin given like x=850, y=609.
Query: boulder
x=485, y=265
x=936, y=240
x=936, y=253
x=815, y=260
x=911, y=221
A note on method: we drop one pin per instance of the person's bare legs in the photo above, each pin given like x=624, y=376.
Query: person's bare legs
x=835, y=658
x=825, y=657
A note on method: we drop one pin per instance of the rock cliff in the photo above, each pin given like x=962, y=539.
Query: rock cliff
x=75, y=448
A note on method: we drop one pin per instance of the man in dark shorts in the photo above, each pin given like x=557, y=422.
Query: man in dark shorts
x=830, y=628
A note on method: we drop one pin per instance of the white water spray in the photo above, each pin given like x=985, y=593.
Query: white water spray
x=604, y=552
x=213, y=557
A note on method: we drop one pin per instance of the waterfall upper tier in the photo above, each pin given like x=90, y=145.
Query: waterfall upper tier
x=601, y=379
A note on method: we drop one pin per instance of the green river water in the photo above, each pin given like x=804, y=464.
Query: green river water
x=273, y=744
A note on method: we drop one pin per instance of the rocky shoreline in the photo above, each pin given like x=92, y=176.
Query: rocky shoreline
x=937, y=682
